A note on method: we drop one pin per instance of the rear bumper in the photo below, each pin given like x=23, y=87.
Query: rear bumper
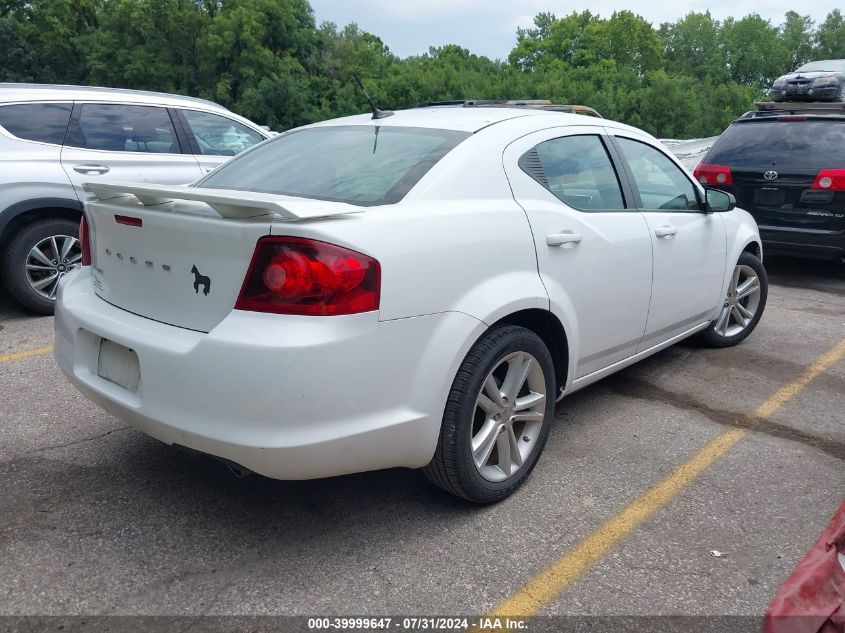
x=288, y=397
x=805, y=242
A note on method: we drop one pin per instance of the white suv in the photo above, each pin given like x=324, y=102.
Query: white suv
x=53, y=138
x=415, y=290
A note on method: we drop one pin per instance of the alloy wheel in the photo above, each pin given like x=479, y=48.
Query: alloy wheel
x=508, y=417
x=741, y=303
x=50, y=260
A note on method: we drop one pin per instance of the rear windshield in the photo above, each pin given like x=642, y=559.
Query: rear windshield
x=358, y=164
x=810, y=145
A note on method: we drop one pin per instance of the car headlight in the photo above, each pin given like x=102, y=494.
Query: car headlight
x=779, y=84
x=826, y=81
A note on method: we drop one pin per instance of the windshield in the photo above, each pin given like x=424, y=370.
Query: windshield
x=830, y=65
x=359, y=164
x=802, y=145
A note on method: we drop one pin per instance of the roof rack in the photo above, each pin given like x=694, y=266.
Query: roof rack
x=534, y=104
x=799, y=107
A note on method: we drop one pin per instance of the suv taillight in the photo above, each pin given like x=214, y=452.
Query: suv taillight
x=713, y=174
x=293, y=275
x=85, y=241
x=830, y=180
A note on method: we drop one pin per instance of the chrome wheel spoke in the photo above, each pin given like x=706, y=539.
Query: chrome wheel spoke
x=724, y=320
x=528, y=416
x=484, y=442
x=737, y=315
x=54, y=287
x=37, y=267
x=529, y=401
x=503, y=446
x=515, y=453
x=41, y=257
x=489, y=407
x=492, y=391
x=518, y=369
x=43, y=283
x=67, y=244
x=748, y=287
x=75, y=259
x=745, y=312
x=734, y=280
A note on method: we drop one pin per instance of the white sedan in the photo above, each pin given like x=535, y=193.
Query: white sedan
x=415, y=290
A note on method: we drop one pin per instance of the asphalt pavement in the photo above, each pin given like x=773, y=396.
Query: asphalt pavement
x=98, y=519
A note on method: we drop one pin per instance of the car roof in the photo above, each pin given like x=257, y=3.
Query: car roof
x=467, y=119
x=15, y=92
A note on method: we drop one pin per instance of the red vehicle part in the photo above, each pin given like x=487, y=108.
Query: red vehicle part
x=812, y=600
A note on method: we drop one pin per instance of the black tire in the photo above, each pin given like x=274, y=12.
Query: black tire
x=711, y=338
x=15, y=257
x=452, y=468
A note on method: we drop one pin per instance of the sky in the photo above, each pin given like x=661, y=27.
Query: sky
x=488, y=27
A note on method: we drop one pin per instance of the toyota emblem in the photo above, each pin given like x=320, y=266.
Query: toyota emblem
x=770, y=175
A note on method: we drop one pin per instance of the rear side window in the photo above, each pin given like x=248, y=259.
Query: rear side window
x=219, y=136
x=577, y=171
x=124, y=128
x=43, y=122
x=359, y=164
x=792, y=145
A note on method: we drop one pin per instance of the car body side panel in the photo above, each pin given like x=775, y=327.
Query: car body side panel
x=31, y=171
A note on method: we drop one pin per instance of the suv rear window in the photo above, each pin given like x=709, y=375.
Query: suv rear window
x=359, y=164
x=43, y=122
x=803, y=144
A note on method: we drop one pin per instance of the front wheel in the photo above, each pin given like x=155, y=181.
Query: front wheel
x=497, y=416
x=742, y=306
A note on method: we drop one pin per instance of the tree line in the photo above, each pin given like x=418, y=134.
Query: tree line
x=271, y=62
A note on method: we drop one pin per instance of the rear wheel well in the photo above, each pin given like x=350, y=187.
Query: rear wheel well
x=34, y=215
x=547, y=326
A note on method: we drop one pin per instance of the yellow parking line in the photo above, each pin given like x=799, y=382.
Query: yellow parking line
x=545, y=586
x=6, y=358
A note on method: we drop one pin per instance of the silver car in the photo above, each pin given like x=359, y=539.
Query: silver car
x=54, y=138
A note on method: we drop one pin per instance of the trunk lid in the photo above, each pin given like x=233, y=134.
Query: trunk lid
x=166, y=254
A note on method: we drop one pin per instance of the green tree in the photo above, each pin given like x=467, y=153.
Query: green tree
x=797, y=35
x=831, y=36
x=693, y=46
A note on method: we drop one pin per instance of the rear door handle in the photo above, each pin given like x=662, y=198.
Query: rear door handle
x=565, y=237
x=91, y=169
x=666, y=231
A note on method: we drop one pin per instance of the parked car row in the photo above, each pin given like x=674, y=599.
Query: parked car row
x=55, y=138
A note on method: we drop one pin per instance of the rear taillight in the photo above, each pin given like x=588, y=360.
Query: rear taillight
x=830, y=180
x=293, y=275
x=713, y=174
x=85, y=241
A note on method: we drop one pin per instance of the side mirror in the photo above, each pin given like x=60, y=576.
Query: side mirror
x=716, y=201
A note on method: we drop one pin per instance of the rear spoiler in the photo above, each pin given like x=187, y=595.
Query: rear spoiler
x=227, y=202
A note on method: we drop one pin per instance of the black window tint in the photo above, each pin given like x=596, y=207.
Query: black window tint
x=358, y=164
x=45, y=122
x=793, y=145
x=218, y=135
x=124, y=128
x=662, y=185
x=578, y=171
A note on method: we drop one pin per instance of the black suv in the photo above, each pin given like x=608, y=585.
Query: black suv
x=788, y=171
